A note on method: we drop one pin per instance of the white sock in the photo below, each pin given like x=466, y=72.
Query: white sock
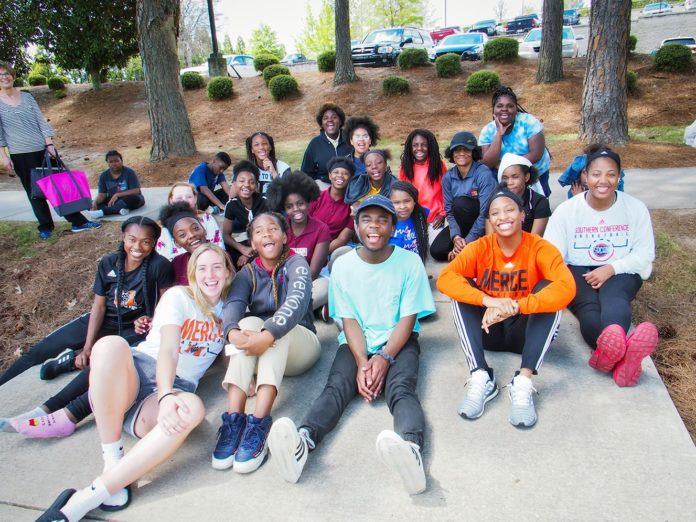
x=96, y=214
x=85, y=500
x=112, y=453
x=5, y=422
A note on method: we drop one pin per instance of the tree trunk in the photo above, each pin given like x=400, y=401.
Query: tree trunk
x=95, y=76
x=550, y=55
x=604, y=102
x=158, y=22
x=345, y=72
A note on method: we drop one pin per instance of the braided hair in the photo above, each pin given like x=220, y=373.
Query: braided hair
x=271, y=153
x=434, y=159
x=418, y=215
x=281, y=260
x=144, y=222
x=503, y=90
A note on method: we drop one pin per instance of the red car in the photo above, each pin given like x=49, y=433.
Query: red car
x=439, y=34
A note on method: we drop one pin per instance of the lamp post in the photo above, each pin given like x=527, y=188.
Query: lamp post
x=217, y=66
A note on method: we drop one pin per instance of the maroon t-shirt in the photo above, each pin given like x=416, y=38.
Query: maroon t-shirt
x=179, y=264
x=315, y=232
x=335, y=214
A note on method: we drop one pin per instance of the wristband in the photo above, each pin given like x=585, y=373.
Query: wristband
x=163, y=396
x=384, y=355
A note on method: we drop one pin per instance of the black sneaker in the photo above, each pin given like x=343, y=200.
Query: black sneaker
x=63, y=363
x=53, y=513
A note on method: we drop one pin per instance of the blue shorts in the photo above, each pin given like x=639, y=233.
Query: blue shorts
x=146, y=368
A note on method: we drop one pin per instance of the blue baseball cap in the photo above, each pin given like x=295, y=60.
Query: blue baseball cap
x=377, y=201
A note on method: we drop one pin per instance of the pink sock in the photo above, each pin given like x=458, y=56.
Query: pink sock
x=55, y=424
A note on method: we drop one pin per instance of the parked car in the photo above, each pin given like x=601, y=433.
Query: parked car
x=238, y=65
x=689, y=5
x=529, y=48
x=571, y=17
x=383, y=46
x=655, y=9
x=468, y=45
x=683, y=40
x=501, y=27
x=294, y=58
x=484, y=26
x=522, y=24
x=439, y=34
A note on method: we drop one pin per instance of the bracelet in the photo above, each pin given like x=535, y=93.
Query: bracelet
x=163, y=396
x=382, y=353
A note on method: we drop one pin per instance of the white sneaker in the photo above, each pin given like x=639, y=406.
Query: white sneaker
x=124, y=211
x=480, y=390
x=403, y=457
x=522, y=411
x=95, y=214
x=289, y=449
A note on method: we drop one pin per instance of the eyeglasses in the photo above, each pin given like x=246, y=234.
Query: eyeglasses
x=5, y=75
x=361, y=137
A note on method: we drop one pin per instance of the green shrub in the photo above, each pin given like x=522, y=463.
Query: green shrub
x=632, y=42
x=192, y=80
x=283, y=86
x=673, y=57
x=482, y=81
x=326, y=61
x=448, y=65
x=220, y=88
x=264, y=60
x=19, y=82
x=411, y=57
x=274, y=70
x=631, y=83
x=134, y=69
x=59, y=93
x=501, y=49
x=36, y=79
x=394, y=85
x=56, y=83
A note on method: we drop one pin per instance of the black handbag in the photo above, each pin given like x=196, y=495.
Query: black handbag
x=49, y=166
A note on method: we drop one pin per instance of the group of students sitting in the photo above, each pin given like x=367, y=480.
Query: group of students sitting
x=156, y=326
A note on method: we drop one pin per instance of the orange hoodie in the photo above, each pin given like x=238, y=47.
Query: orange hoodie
x=515, y=277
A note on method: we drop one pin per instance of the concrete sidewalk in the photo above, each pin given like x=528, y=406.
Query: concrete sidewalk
x=598, y=452
x=657, y=188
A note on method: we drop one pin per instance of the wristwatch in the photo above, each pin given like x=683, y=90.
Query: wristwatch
x=382, y=353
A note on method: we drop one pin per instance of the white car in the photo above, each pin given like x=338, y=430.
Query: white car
x=655, y=9
x=529, y=48
x=689, y=41
x=236, y=63
x=689, y=5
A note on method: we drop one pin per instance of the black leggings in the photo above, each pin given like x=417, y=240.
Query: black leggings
x=129, y=202
x=597, y=309
x=466, y=211
x=529, y=335
x=72, y=335
x=23, y=163
x=203, y=202
x=73, y=396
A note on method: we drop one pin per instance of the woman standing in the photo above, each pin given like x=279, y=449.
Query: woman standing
x=27, y=136
x=515, y=130
x=327, y=145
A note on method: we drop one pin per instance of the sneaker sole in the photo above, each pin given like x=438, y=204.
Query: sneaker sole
x=398, y=455
x=113, y=508
x=611, y=348
x=282, y=443
x=251, y=465
x=222, y=464
x=640, y=344
x=492, y=396
x=43, y=369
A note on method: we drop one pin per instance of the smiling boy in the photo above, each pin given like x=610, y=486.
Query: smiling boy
x=378, y=350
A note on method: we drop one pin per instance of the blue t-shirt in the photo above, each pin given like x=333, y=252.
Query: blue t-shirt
x=517, y=140
x=404, y=235
x=126, y=180
x=202, y=176
x=401, y=283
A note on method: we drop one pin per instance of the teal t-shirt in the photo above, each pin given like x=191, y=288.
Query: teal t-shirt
x=377, y=296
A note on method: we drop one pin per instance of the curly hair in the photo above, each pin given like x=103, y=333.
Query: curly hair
x=170, y=214
x=271, y=153
x=434, y=160
x=420, y=220
x=362, y=122
x=331, y=107
x=504, y=90
x=294, y=183
x=245, y=166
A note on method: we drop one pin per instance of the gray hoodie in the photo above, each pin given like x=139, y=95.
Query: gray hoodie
x=252, y=288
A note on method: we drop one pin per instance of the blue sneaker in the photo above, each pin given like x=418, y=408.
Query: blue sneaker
x=45, y=234
x=88, y=225
x=228, y=438
x=253, y=448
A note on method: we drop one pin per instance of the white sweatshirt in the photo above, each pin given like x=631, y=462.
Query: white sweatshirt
x=621, y=236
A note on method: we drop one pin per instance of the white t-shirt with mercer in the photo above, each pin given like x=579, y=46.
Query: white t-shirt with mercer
x=201, y=339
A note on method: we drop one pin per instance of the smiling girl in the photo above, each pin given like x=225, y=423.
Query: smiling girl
x=508, y=290
x=377, y=178
x=188, y=233
x=411, y=230
x=362, y=133
x=261, y=152
x=268, y=323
